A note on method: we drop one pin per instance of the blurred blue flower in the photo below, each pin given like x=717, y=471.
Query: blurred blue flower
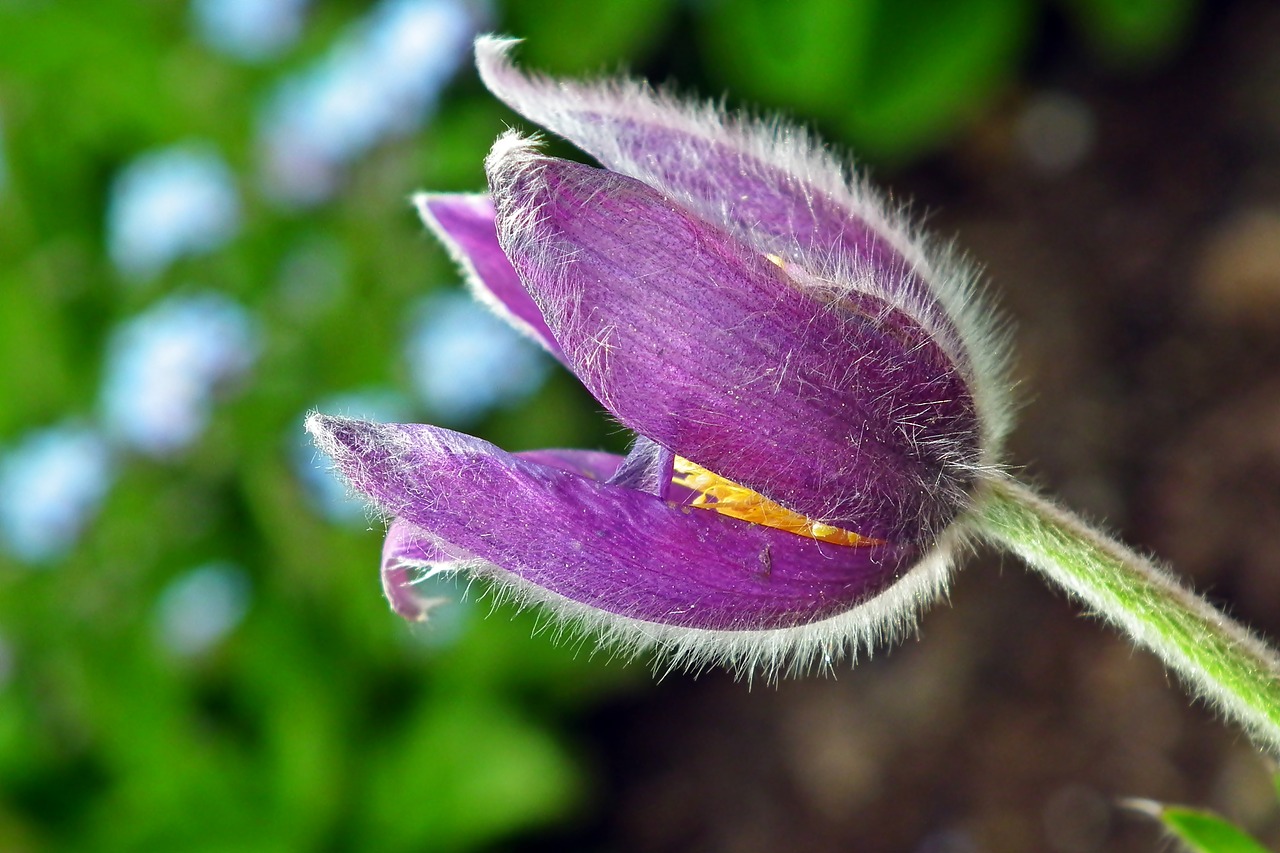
x=169, y=203
x=50, y=484
x=251, y=30
x=200, y=607
x=327, y=492
x=164, y=367
x=465, y=361
x=381, y=79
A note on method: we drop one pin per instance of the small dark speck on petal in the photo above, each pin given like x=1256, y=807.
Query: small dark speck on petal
x=766, y=561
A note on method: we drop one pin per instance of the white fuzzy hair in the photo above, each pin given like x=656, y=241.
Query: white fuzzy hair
x=882, y=621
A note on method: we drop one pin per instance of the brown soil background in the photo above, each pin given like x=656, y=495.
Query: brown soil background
x=1141, y=270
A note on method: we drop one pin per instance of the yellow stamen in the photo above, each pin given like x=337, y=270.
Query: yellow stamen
x=728, y=498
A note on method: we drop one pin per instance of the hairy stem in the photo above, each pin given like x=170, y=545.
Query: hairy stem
x=1217, y=658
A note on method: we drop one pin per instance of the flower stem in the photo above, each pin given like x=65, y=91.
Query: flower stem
x=1217, y=658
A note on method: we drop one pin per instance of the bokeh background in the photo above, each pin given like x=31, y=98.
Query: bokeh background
x=204, y=233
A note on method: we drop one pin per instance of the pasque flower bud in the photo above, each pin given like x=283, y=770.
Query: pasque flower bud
x=815, y=393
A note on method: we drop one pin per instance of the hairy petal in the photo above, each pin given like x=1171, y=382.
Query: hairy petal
x=614, y=549
x=464, y=223
x=777, y=188
x=842, y=409
x=766, y=183
x=647, y=468
x=411, y=554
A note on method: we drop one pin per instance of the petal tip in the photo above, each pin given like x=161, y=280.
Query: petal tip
x=510, y=149
x=319, y=425
x=493, y=55
x=421, y=202
x=432, y=208
x=339, y=438
x=513, y=158
x=323, y=430
x=490, y=45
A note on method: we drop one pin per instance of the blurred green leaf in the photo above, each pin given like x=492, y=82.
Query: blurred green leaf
x=809, y=54
x=1134, y=31
x=467, y=771
x=1205, y=832
x=896, y=78
x=584, y=35
x=30, y=322
x=932, y=65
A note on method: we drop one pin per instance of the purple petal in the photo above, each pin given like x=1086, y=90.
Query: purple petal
x=613, y=549
x=465, y=225
x=647, y=468
x=592, y=464
x=766, y=183
x=411, y=554
x=841, y=408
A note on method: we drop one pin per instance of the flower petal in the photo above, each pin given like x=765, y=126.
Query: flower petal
x=841, y=408
x=648, y=468
x=766, y=183
x=411, y=554
x=776, y=187
x=464, y=223
x=611, y=548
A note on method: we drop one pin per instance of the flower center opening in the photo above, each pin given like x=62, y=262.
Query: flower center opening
x=736, y=501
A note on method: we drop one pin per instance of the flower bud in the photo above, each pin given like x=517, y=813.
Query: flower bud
x=815, y=392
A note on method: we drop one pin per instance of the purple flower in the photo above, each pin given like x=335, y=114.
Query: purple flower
x=812, y=388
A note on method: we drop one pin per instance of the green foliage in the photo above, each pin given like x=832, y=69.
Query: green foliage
x=896, y=78
x=1205, y=832
x=586, y=36
x=1133, y=32
x=322, y=722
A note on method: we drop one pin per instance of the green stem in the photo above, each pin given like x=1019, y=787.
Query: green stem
x=1219, y=659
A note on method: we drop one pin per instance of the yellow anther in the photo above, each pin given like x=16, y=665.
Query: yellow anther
x=736, y=501
x=776, y=260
